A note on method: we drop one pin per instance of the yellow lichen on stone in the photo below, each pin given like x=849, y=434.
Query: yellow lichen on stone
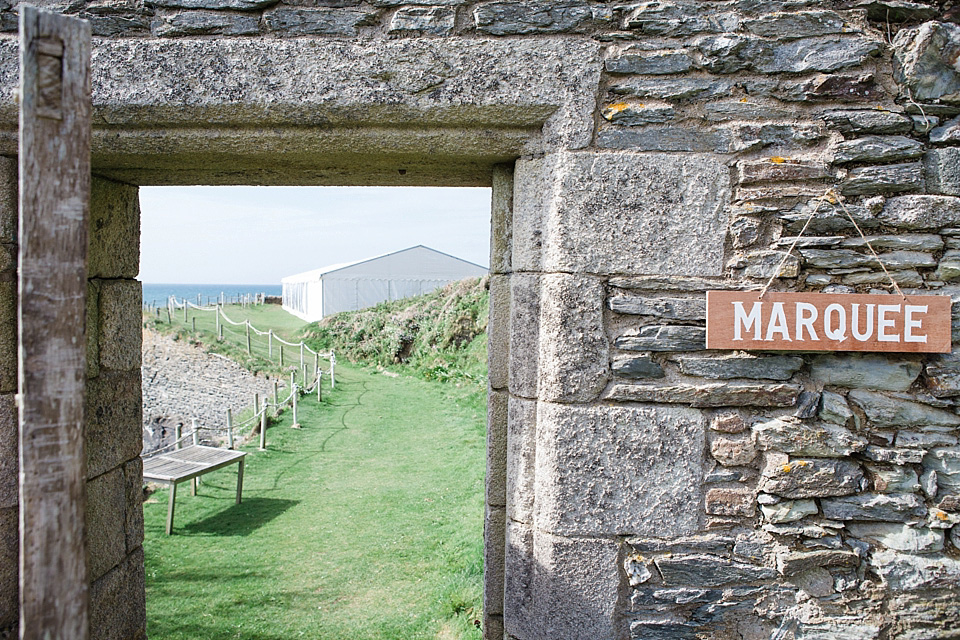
x=940, y=515
x=777, y=160
x=613, y=109
x=802, y=463
x=786, y=468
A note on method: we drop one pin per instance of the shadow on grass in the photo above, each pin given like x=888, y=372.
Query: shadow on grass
x=240, y=519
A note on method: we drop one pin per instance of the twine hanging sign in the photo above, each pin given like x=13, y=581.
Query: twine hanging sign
x=828, y=322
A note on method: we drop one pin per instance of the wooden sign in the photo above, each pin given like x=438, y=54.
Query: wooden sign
x=828, y=322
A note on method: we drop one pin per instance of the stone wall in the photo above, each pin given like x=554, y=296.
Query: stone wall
x=112, y=421
x=639, y=486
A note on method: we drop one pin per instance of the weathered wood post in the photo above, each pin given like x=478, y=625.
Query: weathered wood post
x=319, y=385
x=295, y=393
x=270, y=343
x=220, y=330
x=249, y=349
x=301, y=353
x=276, y=393
x=184, y=311
x=177, y=434
x=316, y=360
x=303, y=375
x=54, y=158
x=293, y=382
x=263, y=429
x=333, y=364
x=229, y=428
x=256, y=403
x=194, y=319
x=196, y=440
x=281, y=354
x=217, y=316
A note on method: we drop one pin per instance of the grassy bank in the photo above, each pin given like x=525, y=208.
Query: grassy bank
x=438, y=336
x=365, y=524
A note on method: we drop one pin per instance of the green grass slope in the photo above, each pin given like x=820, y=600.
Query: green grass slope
x=437, y=336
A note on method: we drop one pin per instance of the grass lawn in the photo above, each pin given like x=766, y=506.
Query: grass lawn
x=366, y=523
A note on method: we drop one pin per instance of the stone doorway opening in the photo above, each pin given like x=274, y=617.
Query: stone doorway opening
x=274, y=509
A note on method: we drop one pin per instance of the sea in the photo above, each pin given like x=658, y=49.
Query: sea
x=158, y=294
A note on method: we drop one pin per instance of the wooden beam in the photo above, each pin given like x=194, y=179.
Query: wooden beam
x=54, y=202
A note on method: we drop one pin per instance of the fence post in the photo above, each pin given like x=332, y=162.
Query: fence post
x=256, y=403
x=301, y=354
x=184, y=311
x=270, y=343
x=293, y=382
x=196, y=437
x=229, y=428
x=319, y=386
x=194, y=319
x=281, y=355
x=276, y=394
x=199, y=300
x=316, y=360
x=217, y=314
x=333, y=362
x=220, y=330
x=296, y=421
x=263, y=429
x=249, y=350
x=222, y=299
x=177, y=433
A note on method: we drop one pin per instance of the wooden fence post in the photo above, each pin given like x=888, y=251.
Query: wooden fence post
x=54, y=168
x=229, y=428
x=249, y=349
x=281, y=355
x=301, y=354
x=303, y=374
x=263, y=429
x=217, y=314
x=319, y=386
x=194, y=319
x=333, y=362
x=293, y=381
x=276, y=394
x=270, y=344
x=177, y=434
x=294, y=394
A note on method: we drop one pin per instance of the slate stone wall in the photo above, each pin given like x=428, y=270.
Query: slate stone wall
x=639, y=486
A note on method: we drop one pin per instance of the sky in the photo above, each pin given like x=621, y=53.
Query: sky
x=257, y=235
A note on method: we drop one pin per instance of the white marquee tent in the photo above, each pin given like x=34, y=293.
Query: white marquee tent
x=357, y=285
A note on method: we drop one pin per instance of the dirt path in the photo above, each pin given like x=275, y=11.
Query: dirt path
x=181, y=382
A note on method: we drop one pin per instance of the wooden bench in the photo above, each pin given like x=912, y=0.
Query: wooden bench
x=190, y=463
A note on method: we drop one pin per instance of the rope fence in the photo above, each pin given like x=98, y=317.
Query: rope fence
x=262, y=411
x=264, y=344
